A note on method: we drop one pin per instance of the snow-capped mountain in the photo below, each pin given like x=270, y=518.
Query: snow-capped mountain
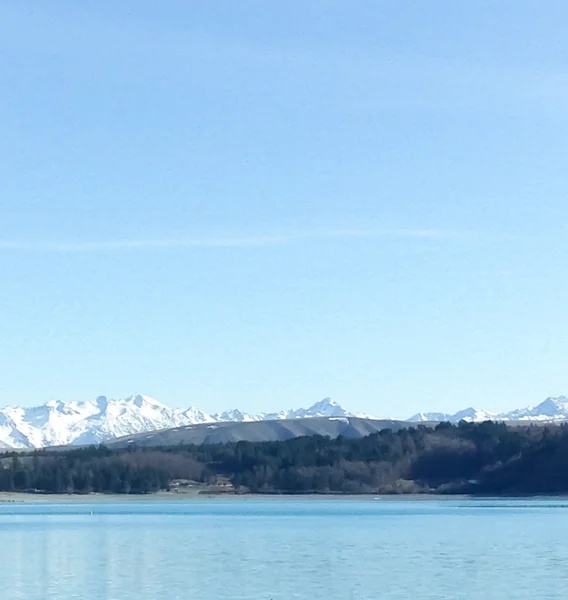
x=59, y=423
x=552, y=409
x=236, y=416
x=468, y=414
x=324, y=408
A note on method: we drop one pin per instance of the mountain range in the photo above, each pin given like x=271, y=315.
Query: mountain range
x=58, y=423
x=552, y=409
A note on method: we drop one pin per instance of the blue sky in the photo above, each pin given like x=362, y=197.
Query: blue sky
x=262, y=204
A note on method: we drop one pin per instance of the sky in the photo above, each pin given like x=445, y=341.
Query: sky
x=259, y=205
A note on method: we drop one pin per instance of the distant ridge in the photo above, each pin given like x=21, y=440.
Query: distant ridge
x=552, y=409
x=58, y=423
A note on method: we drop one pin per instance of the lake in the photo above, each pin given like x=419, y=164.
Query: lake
x=271, y=549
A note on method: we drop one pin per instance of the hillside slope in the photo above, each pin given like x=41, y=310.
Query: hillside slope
x=260, y=431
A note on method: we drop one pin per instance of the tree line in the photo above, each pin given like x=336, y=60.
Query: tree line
x=465, y=458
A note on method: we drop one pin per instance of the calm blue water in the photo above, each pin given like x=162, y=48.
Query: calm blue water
x=282, y=550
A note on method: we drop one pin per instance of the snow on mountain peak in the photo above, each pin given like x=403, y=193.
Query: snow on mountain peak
x=234, y=415
x=431, y=416
x=194, y=415
x=141, y=400
x=58, y=423
x=551, y=406
x=474, y=414
x=551, y=409
x=92, y=422
x=326, y=404
x=324, y=408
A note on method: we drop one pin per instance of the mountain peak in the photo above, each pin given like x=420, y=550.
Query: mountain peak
x=235, y=415
x=325, y=403
x=555, y=401
x=141, y=399
x=551, y=409
x=324, y=408
x=551, y=406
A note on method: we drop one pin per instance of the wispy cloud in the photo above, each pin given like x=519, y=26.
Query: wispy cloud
x=64, y=246
x=134, y=244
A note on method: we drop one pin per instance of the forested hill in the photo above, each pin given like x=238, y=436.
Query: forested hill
x=487, y=458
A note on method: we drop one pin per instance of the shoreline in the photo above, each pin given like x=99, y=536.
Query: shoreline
x=33, y=498
x=7, y=498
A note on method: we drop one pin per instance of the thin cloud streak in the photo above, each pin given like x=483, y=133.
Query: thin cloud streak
x=218, y=242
